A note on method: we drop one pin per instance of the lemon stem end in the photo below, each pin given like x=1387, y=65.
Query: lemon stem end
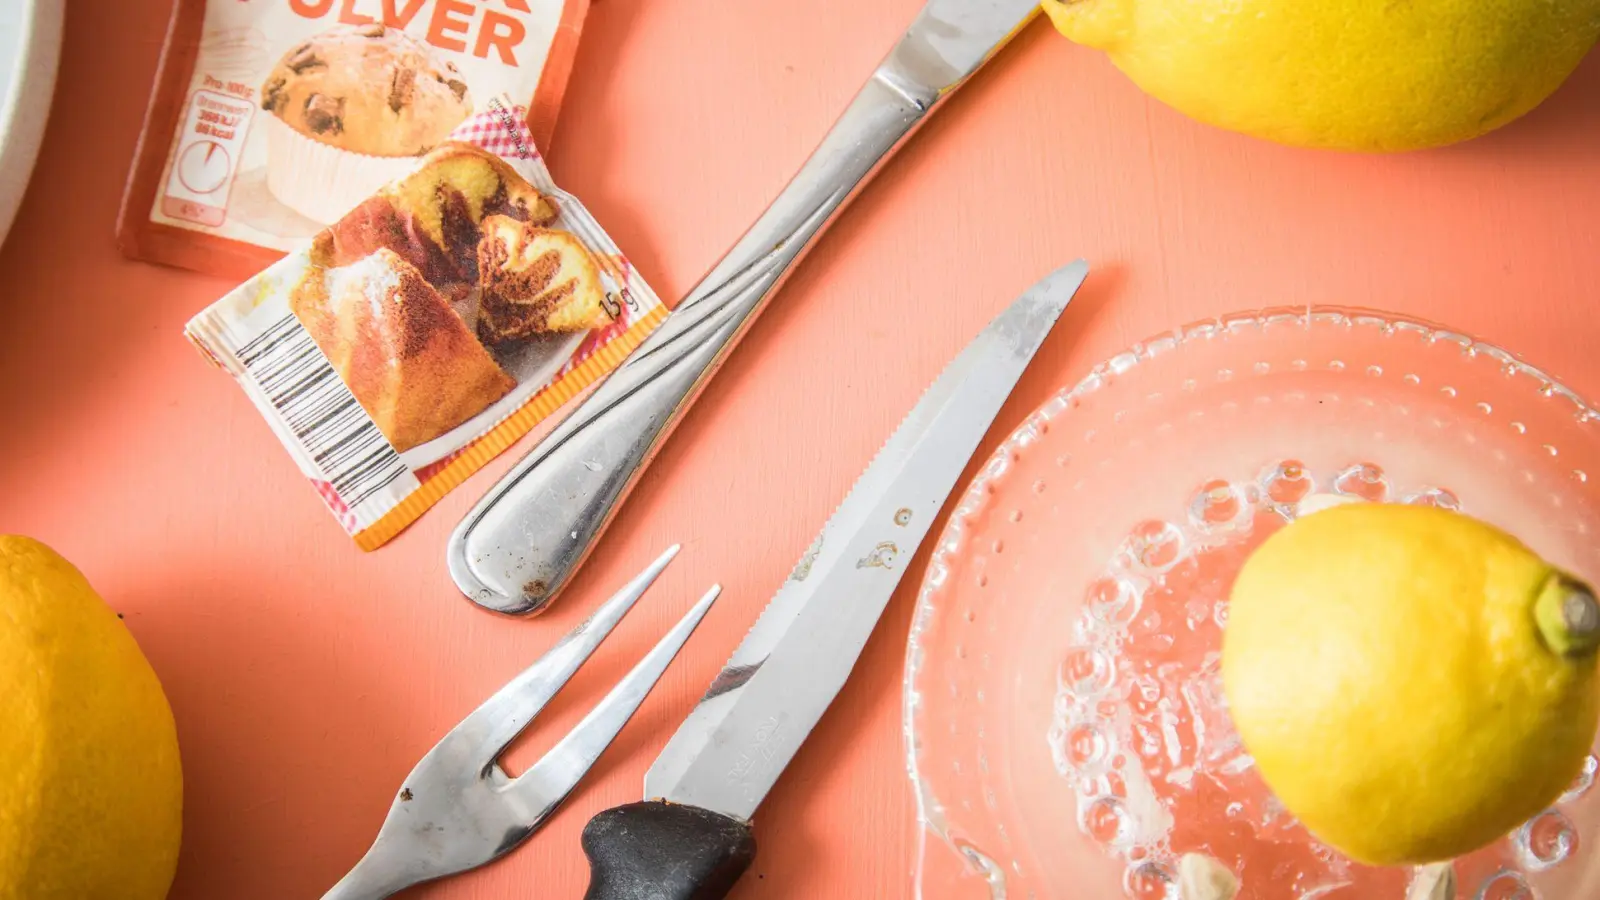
x=1568, y=616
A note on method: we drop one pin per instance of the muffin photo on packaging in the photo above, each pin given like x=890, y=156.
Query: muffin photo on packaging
x=272, y=119
x=351, y=110
x=431, y=326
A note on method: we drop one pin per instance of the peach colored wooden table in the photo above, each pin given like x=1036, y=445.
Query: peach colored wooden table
x=307, y=677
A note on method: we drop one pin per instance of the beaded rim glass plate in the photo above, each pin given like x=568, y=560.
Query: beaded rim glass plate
x=1064, y=726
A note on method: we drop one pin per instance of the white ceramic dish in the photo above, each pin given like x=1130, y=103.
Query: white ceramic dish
x=30, y=51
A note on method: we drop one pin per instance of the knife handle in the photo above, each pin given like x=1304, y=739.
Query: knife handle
x=517, y=548
x=664, y=851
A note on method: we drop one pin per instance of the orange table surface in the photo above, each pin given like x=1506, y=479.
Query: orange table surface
x=307, y=677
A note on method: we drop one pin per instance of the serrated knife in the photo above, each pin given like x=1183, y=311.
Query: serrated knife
x=690, y=839
x=518, y=547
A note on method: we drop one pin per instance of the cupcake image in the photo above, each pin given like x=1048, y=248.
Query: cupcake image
x=353, y=109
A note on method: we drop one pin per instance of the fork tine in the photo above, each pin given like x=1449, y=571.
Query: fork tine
x=552, y=778
x=502, y=717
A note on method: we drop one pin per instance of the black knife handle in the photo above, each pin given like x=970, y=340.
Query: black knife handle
x=663, y=851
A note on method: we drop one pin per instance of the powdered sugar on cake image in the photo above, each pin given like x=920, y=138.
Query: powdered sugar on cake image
x=408, y=358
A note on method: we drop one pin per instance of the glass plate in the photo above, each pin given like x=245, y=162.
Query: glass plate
x=1065, y=727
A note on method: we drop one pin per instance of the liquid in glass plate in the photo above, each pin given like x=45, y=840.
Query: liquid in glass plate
x=1067, y=731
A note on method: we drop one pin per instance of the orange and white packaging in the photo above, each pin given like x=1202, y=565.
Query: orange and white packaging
x=433, y=325
x=271, y=119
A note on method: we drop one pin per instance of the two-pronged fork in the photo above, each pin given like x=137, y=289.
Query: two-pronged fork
x=458, y=809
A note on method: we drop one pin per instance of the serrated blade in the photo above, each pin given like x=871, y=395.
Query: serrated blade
x=735, y=743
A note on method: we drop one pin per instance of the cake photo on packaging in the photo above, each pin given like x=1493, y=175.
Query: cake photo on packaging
x=271, y=119
x=436, y=322
x=350, y=110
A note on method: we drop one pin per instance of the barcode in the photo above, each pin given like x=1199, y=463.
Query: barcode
x=317, y=407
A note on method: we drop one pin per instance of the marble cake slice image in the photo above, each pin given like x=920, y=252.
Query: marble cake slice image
x=405, y=354
x=433, y=218
x=535, y=281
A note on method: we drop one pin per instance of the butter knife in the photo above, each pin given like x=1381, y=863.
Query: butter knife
x=518, y=547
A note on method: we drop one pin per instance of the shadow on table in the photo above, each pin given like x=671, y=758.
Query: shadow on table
x=291, y=747
x=1564, y=126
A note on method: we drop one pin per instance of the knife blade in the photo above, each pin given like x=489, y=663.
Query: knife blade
x=519, y=546
x=691, y=838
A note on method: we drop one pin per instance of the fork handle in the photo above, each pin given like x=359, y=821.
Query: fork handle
x=656, y=850
x=517, y=548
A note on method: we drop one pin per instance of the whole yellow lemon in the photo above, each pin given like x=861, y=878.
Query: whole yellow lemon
x=1412, y=683
x=91, y=793
x=1369, y=76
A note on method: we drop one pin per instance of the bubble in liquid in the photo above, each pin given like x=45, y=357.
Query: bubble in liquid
x=1438, y=497
x=1148, y=688
x=1583, y=782
x=1219, y=506
x=1086, y=629
x=1272, y=811
x=1323, y=890
x=1149, y=741
x=1150, y=880
x=1363, y=480
x=1092, y=786
x=1544, y=841
x=1238, y=765
x=1087, y=746
x=1505, y=885
x=1152, y=545
x=1108, y=821
x=1114, y=601
x=1287, y=483
x=1087, y=671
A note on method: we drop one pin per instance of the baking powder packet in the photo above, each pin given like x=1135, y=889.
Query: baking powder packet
x=273, y=118
x=419, y=336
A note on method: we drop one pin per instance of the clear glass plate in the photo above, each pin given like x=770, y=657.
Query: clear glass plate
x=1066, y=730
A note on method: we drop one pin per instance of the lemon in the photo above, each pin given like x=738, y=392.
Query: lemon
x=90, y=787
x=1348, y=74
x=1412, y=683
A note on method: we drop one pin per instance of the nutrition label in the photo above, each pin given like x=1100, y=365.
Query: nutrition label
x=210, y=143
